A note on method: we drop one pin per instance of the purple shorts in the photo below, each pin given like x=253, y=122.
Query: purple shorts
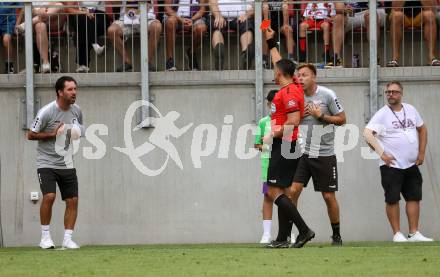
x=265, y=188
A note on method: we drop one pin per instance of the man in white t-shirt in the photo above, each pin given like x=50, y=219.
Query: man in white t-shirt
x=399, y=136
x=128, y=25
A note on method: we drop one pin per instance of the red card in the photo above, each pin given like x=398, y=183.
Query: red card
x=265, y=24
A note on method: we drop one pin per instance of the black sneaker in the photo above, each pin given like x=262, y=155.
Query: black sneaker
x=302, y=239
x=9, y=68
x=170, y=65
x=336, y=240
x=219, y=56
x=55, y=62
x=151, y=67
x=193, y=64
x=266, y=62
x=278, y=244
x=246, y=58
x=126, y=67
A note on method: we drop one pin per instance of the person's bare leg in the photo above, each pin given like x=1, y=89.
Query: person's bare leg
x=413, y=213
x=42, y=41
x=71, y=213
x=246, y=40
x=393, y=214
x=170, y=26
x=396, y=28
x=325, y=27
x=198, y=31
x=295, y=192
x=9, y=52
x=430, y=31
x=154, y=29
x=290, y=42
x=217, y=38
x=332, y=206
x=46, y=208
x=115, y=35
x=338, y=31
x=267, y=208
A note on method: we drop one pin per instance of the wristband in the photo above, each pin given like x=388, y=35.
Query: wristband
x=271, y=43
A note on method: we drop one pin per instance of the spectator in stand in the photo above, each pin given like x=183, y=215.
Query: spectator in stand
x=129, y=24
x=350, y=16
x=413, y=14
x=7, y=24
x=89, y=21
x=46, y=15
x=229, y=15
x=316, y=16
x=278, y=13
x=184, y=17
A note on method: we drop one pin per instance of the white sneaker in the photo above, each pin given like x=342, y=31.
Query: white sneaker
x=98, y=49
x=418, y=237
x=45, y=68
x=46, y=243
x=265, y=239
x=82, y=69
x=399, y=237
x=70, y=244
x=20, y=29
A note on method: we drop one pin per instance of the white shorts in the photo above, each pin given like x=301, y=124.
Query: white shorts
x=132, y=29
x=358, y=20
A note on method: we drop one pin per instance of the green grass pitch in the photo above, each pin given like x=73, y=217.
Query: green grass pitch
x=352, y=259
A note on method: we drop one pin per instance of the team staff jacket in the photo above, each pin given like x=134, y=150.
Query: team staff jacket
x=288, y=99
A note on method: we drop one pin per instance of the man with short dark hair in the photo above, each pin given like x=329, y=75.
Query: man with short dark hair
x=398, y=135
x=322, y=112
x=286, y=112
x=55, y=127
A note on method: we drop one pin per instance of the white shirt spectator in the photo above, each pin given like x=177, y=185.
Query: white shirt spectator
x=133, y=11
x=232, y=8
x=319, y=11
x=397, y=134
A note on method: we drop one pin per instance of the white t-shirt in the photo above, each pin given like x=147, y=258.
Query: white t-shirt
x=397, y=136
x=184, y=10
x=230, y=10
x=130, y=15
x=321, y=10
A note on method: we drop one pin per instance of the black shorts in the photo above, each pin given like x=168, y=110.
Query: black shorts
x=234, y=25
x=281, y=169
x=323, y=170
x=65, y=178
x=396, y=181
x=276, y=20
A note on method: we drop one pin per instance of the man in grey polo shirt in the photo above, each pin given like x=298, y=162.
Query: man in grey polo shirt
x=55, y=127
x=322, y=112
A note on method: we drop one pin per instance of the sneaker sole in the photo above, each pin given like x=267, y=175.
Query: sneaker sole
x=51, y=247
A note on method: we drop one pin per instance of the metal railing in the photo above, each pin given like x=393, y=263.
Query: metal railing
x=86, y=42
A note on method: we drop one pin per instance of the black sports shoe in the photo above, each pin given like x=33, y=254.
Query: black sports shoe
x=193, y=64
x=126, y=67
x=303, y=239
x=278, y=244
x=336, y=240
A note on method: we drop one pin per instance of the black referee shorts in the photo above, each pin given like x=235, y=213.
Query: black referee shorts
x=323, y=171
x=281, y=169
x=65, y=178
x=396, y=181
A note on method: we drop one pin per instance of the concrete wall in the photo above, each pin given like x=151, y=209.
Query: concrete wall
x=219, y=202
